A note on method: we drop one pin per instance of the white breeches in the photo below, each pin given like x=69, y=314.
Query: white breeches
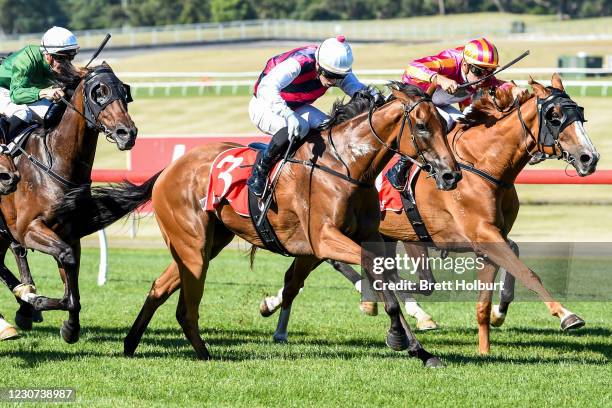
x=33, y=112
x=270, y=122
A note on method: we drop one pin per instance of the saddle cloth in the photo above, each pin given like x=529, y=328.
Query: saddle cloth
x=388, y=196
x=229, y=173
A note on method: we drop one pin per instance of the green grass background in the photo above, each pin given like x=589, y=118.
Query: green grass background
x=336, y=356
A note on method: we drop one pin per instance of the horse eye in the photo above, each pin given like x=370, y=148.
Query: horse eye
x=421, y=127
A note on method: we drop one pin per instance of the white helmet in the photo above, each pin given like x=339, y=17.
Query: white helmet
x=58, y=40
x=335, y=55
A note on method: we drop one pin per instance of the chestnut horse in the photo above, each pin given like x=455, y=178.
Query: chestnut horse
x=482, y=211
x=318, y=214
x=51, y=163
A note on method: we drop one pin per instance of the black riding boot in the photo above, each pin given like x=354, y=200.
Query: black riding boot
x=259, y=177
x=398, y=174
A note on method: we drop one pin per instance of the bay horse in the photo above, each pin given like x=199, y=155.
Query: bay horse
x=52, y=162
x=499, y=138
x=317, y=214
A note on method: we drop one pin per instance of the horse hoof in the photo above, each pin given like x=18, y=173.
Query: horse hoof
x=280, y=338
x=369, y=308
x=497, y=318
x=572, y=322
x=264, y=310
x=397, y=342
x=427, y=324
x=8, y=333
x=69, y=334
x=23, y=322
x=434, y=362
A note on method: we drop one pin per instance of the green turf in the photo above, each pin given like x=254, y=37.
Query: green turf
x=335, y=356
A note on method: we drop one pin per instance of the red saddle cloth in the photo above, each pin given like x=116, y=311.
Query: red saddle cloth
x=388, y=196
x=228, y=175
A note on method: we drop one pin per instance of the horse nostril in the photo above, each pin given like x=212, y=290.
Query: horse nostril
x=585, y=158
x=5, y=177
x=450, y=175
x=121, y=132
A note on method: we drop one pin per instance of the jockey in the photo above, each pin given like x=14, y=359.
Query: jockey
x=283, y=94
x=27, y=77
x=449, y=69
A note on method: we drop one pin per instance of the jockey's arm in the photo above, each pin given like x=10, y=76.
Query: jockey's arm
x=270, y=87
x=350, y=84
x=20, y=93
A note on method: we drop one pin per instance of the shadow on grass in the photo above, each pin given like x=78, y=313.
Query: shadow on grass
x=256, y=344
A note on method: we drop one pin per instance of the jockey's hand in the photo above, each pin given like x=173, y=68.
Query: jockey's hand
x=447, y=84
x=294, y=126
x=51, y=93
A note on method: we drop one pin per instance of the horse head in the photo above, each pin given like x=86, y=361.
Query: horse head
x=426, y=134
x=105, y=100
x=561, y=127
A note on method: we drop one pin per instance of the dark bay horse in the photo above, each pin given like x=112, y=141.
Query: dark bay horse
x=53, y=162
x=317, y=215
x=480, y=213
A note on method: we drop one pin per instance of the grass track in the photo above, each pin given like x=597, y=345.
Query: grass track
x=336, y=356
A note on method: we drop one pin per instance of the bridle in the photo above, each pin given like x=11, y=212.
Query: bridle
x=549, y=129
x=405, y=119
x=101, y=88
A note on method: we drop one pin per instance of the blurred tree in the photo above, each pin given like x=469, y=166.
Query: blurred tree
x=230, y=10
x=30, y=16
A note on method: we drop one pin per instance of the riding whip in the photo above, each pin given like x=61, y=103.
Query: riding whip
x=100, y=48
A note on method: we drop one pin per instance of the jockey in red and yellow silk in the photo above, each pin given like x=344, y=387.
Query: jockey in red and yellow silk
x=449, y=69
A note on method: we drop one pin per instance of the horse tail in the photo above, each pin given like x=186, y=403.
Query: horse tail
x=252, y=253
x=86, y=209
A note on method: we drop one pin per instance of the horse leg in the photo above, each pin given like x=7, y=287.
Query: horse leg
x=163, y=287
x=160, y=291
x=43, y=239
x=294, y=281
x=335, y=245
x=498, y=252
x=21, y=290
x=483, y=308
x=506, y=293
x=26, y=314
x=424, y=320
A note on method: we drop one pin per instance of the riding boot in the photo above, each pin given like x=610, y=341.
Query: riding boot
x=398, y=174
x=259, y=177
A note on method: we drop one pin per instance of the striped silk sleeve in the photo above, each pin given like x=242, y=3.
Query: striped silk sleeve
x=425, y=68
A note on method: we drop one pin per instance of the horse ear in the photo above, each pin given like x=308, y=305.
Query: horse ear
x=538, y=89
x=556, y=82
x=432, y=87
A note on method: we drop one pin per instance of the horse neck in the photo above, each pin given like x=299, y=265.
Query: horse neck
x=73, y=143
x=363, y=153
x=508, y=147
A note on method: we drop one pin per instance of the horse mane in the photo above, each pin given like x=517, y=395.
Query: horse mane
x=361, y=102
x=487, y=110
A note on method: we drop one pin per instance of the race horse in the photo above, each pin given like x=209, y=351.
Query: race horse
x=494, y=144
x=325, y=205
x=51, y=162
